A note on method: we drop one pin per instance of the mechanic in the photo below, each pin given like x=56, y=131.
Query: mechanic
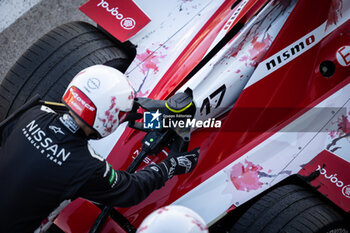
x=45, y=158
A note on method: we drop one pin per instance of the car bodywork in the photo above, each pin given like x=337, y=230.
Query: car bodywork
x=276, y=73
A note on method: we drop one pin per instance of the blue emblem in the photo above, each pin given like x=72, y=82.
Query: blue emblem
x=152, y=120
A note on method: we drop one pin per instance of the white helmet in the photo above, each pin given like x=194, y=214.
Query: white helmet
x=100, y=96
x=173, y=219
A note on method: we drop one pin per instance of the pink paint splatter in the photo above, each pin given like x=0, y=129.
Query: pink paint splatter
x=142, y=94
x=334, y=12
x=111, y=116
x=197, y=223
x=332, y=134
x=255, y=53
x=161, y=210
x=150, y=61
x=238, y=71
x=142, y=229
x=244, y=58
x=246, y=178
x=342, y=132
x=164, y=46
x=257, y=50
x=236, y=49
x=343, y=124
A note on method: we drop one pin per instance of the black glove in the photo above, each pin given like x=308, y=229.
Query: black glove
x=180, y=163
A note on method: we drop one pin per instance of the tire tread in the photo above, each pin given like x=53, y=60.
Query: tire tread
x=48, y=66
x=289, y=208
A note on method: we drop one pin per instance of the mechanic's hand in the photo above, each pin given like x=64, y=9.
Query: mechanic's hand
x=180, y=163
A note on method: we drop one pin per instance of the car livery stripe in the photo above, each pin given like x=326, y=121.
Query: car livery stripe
x=234, y=18
x=292, y=51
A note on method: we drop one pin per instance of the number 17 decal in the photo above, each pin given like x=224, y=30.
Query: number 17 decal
x=206, y=102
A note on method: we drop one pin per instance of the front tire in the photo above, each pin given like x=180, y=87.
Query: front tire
x=292, y=209
x=49, y=65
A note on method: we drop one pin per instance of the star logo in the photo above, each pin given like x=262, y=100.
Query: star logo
x=152, y=120
x=56, y=129
x=156, y=115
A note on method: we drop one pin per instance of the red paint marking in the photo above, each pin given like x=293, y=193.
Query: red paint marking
x=142, y=229
x=255, y=53
x=197, y=223
x=334, y=12
x=244, y=58
x=161, y=210
x=150, y=61
x=246, y=178
x=110, y=118
x=142, y=94
x=235, y=50
x=343, y=125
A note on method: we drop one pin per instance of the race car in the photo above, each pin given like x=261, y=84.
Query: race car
x=270, y=82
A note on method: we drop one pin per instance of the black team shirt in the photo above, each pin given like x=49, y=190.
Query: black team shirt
x=45, y=159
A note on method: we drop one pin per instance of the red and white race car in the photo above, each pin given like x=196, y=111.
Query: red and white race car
x=271, y=79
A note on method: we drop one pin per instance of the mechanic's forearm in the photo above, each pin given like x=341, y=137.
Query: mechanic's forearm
x=132, y=188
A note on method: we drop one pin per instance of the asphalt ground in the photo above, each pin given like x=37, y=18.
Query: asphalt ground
x=22, y=22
